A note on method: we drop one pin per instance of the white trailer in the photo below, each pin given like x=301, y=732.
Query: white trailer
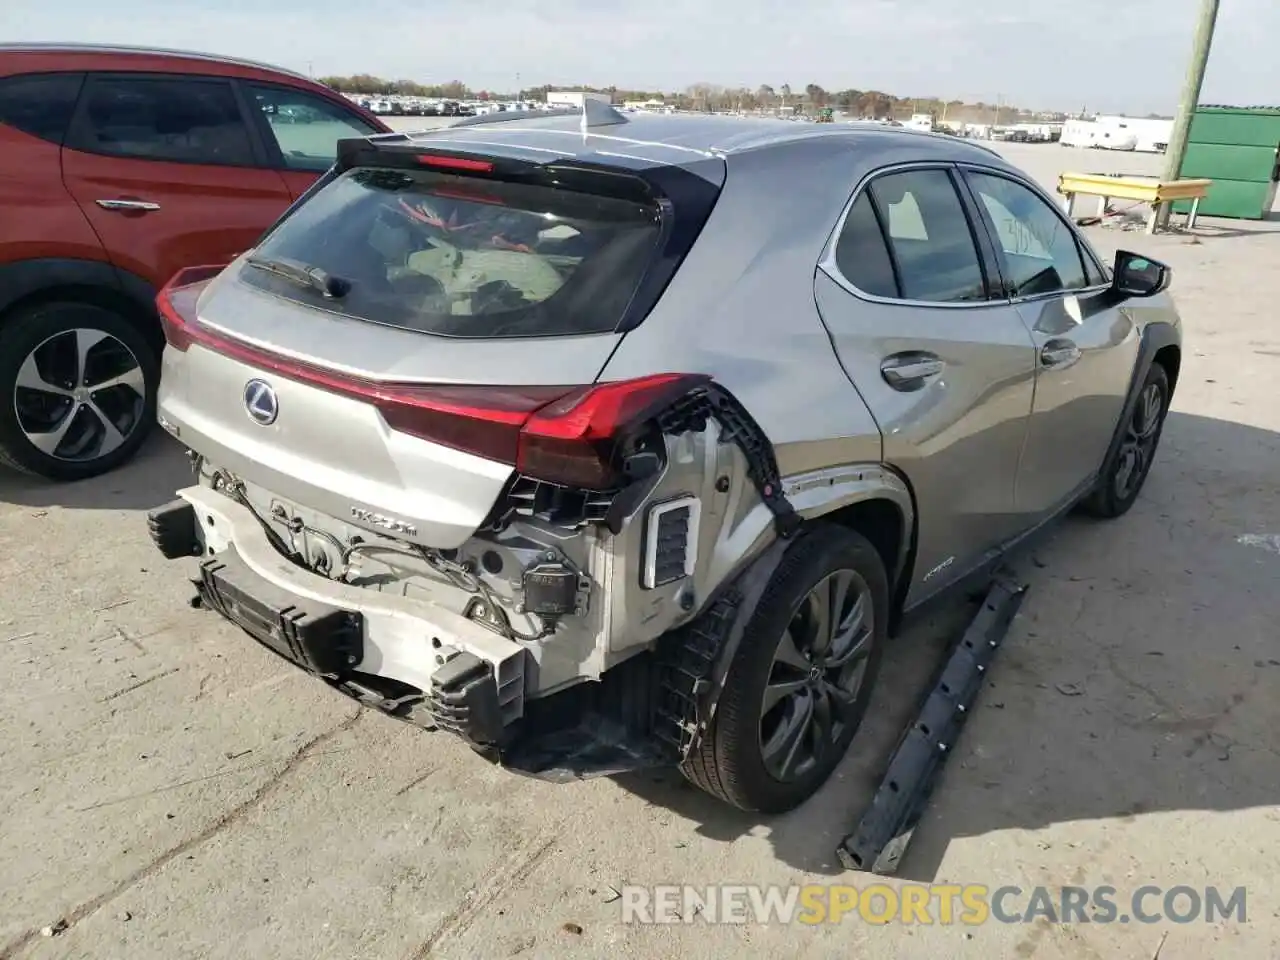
x=1100, y=136
x=574, y=98
x=1150, y=135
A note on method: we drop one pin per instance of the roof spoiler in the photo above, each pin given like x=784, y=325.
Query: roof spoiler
x=594, y=114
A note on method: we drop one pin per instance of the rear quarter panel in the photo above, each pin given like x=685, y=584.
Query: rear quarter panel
x=741, y=308
x=38, y=217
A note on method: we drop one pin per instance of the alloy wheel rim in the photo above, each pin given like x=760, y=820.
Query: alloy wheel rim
x=816, y=675
x=1139, y=444
x=79, y=395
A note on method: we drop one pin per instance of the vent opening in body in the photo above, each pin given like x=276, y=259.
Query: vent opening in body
x=671, y=541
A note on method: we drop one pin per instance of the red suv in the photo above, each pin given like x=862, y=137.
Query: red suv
x=118, y=167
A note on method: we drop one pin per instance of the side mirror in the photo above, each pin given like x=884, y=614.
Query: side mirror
x=1138, y=276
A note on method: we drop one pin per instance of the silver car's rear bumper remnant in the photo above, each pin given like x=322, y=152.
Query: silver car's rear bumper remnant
x=394, y=649
x=880, y=840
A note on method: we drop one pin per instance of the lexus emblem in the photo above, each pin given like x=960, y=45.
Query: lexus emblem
x=260, y=402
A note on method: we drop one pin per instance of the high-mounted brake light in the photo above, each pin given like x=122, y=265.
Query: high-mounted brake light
x=564, y=434
x=455, y=163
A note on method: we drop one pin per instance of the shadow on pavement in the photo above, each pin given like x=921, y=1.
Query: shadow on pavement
x=147, y=481
x=1142, y=675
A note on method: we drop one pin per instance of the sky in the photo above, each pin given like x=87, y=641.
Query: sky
x=1105, y=55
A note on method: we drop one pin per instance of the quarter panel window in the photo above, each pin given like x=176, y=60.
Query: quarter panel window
x=305, y=127
x=40, y=104
x=1040, y=250
x=178, y=119
x=861, y=254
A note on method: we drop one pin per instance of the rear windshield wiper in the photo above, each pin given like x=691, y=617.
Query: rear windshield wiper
x=304, y=275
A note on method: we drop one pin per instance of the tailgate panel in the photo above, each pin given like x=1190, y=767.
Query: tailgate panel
x=334, y=453
x=331, y=453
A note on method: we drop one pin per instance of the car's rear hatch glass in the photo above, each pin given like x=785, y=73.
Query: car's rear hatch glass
x=459, y=256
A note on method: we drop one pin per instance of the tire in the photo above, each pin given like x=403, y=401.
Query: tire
x=731, y=762
x=1112, y=498
x=117, y=350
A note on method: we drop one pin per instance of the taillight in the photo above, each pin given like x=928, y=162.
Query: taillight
x=176, y=303
x=567, y=435
x=573, y=439
x=563, y=434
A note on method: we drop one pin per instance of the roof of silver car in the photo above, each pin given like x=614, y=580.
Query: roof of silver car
x=686, y=134
x=113, y=48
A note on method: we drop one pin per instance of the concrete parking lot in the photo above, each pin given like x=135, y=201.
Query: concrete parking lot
x=172, y=790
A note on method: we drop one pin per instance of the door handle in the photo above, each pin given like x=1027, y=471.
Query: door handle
x=909, y=371
x=1059, y=354
x=142, y=205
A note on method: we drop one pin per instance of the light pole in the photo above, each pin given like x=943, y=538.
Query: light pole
x=1177, y=149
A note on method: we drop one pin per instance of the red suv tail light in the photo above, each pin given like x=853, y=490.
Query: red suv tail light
x=563, y=434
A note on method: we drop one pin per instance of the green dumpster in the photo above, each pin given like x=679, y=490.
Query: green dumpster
x=1238, y=148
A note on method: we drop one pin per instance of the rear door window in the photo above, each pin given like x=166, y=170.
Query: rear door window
x=177, y=119
x=305, y=127
x=40, y=104
x=461, y=256
x=929, y=237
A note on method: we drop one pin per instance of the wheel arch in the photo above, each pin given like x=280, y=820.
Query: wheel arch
x=1169, y=356
x=872, y=500
x=1161, y=343
x=29, y=283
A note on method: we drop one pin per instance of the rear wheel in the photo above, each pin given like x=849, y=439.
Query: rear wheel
x=1119, y=487
x=77, y=390
x=799, y=686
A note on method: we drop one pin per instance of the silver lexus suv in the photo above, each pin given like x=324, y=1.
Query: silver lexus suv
x=607, y=441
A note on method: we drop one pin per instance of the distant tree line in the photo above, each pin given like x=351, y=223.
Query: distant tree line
x=710, y=97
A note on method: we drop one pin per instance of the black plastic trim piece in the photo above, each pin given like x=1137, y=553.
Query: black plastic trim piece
x=688, y=658
x=22, y=278
x=319, y=638
x=140, y=291
x=464, y=700
x=592, y=729
x=713, y=402
x=173, y=530
x=695, y=659
x=881, y=838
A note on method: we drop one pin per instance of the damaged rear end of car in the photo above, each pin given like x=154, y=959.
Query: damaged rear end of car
x=410, y=479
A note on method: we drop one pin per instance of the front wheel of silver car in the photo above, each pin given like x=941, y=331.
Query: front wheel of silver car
x=77, y=390
x=800, y=683
x=1124, y=477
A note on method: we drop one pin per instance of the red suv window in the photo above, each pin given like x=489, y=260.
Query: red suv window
x=178, y=119
x=40, y=104
x=305, y=127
